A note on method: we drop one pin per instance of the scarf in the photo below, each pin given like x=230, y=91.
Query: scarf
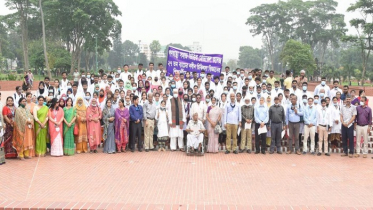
x=177, y=112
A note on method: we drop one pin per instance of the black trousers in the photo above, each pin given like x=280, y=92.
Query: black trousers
x=348, y=133
x=135, y=131
x=262, y=137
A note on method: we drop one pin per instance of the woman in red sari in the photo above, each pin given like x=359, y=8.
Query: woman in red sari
x=122, y=120
x=9, y=112
x=93, y=125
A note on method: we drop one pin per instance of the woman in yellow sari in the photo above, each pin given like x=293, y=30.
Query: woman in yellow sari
x=81, y=121
x=23, y=133
x=41, y=127
x=30, y=106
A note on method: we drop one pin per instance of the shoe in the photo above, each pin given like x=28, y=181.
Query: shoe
x=235, y=152
x=327, y=154
x=249, y=151
x=344, y=155
x=263, y=153
x=242, y=150
x=365, y=156
x=304, y=153
x=227, y=152
x=313, y=153
x=350, y=156
x=256, y=153
x=154, y=149
x=279, y=152
x=356, y=155
x=271, y=152
x=298, y=153
x=140, y=150
x=319, y=154
x=132, y=150
x=146, y=150
x=289, y=152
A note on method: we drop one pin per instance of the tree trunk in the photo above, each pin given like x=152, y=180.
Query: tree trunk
x=44, y=43
x=23, y=23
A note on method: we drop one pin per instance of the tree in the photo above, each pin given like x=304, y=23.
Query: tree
x=83, y=23
x=22, y=7
x=298, y=56
x=116, y=56
x=364, y=29
x=44, y=43
x=232, y=64
x=250, y=57
x=269, y=20
x=155, y=47
x=130, y=50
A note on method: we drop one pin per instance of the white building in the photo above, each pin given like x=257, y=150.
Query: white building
x=144, y=48
x=196, y=47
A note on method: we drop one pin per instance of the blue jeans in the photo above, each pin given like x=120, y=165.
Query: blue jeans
x=348, y=133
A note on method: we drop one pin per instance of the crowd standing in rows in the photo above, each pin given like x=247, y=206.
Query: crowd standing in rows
x=182, y=109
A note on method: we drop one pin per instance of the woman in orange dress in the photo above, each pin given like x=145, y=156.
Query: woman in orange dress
x=93, y=125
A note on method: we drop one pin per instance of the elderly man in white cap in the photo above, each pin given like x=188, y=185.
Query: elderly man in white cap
x=301, y=78
x=247, y=111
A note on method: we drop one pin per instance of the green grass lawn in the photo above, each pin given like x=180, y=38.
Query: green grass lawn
x=356, y=84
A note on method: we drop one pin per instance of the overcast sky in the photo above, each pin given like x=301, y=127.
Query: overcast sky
x=219, y=25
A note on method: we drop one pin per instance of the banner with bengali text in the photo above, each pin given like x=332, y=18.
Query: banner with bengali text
x=186, y=61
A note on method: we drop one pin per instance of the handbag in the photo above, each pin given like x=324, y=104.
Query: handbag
x=76, y=130
x=217, y=129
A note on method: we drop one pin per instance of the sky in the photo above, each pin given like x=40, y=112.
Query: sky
x=218, y=25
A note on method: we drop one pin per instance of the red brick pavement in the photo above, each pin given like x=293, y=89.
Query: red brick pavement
x=172, y=180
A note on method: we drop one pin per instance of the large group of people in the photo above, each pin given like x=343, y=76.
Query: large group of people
x=155, y=110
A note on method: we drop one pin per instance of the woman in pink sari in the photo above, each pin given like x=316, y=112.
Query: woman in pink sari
x=93, y=125
x=122, y=121
x=56, y=116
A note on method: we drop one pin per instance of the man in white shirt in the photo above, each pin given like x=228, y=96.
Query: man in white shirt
x=333, y=92
x=124, y=75
x=64, y=82
x=322, y=86
x=138, y=72
x=276, y=90
x=17, y=96
x=294, y=90
x=226, y=73
x=152, y=73
x=200, y=108
x=195, y=129
x=324, y=124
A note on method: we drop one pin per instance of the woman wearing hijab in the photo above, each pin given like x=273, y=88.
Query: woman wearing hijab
x=41, y=90
x=9, y=112
x=56, y=117
x=41, y=127
x=81, y=121
x=147, y=86
x=101, y=98
x=93, y=125
x=128, y=85
x=23, y=133
x=62, y=101
x=122, y=120
x=68, y=128
x=108, y=119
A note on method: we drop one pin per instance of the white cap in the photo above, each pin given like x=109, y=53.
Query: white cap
x=303, y=71
x=247, y=98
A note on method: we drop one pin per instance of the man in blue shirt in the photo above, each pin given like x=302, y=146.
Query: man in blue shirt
x=261, y=117
x=136, y=116
x=310, y=122
x=293, y=114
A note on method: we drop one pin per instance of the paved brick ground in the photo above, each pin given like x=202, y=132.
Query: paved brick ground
x=172, y=180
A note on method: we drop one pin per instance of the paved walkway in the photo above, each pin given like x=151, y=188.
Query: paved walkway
x=172, y=180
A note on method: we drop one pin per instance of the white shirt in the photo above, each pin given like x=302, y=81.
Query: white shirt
x=124, y=76
x=333, y=92
x=324, y=117
x=319, y=87
x=200, y=108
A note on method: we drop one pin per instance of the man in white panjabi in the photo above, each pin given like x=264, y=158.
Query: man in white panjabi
x=195, y=129
x=176, y=121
